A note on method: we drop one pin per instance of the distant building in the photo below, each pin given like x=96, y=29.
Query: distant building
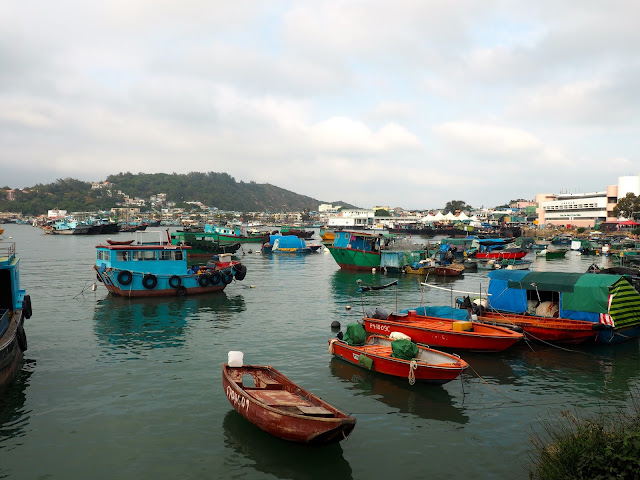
x=584, y=209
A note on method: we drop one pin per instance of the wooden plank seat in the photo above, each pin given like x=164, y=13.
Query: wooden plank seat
x=314, y=411
x=278, y=398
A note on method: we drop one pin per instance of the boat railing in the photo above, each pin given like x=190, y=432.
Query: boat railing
x=7, y=252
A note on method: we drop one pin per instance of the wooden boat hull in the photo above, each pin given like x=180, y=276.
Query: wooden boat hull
x=12, y=348
x=438, y=332
x=448, y=270
x=556, y=330
x=352, y=259
x=383, y=362
x=283, y=409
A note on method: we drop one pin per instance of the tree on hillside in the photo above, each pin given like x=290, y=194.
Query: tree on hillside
x=454, y=205
x=627, y=206
x=382, y=212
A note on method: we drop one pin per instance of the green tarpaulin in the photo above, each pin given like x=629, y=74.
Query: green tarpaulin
x=590, y=293
x=354, y=334
x=547, y=281
x=404, y=349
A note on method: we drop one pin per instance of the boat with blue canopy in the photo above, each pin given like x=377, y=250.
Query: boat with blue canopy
x=599, y=298
x=287, y=244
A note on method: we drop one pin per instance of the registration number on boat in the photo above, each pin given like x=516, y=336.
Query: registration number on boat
x=237, y=400
x=380, y=328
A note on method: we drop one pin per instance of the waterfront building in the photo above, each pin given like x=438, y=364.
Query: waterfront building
x=584, y=209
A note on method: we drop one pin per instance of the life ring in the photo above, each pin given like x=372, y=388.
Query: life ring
x=227, y=277
x=125, y=277
x=149, y=281
x=26, y=307
x=181, y=291
x=241, y=271
x=203, y=280
x=215, y=278
x=175, y=281
x=22, y=338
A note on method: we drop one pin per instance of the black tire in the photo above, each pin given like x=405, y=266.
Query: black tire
x=181, y=291
x=227, y=278
x=215, y=278
x=98, y=277
x=241, y=272
x=22, y=338
x=26, y=307
x=175, y=281
x=149, y=281
x=203, y=280
x=125, y=277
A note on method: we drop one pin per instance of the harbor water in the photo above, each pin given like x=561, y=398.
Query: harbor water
x=131, y=388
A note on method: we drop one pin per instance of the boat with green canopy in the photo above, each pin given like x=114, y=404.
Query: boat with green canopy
x=599, y=298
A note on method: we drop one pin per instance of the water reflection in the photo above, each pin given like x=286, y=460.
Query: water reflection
x=13, y=397
x=136, y=324
x=592, y=369
x=279, y=458
x=425, y=401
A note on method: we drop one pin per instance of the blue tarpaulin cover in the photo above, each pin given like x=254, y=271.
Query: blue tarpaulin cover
x=441, y=312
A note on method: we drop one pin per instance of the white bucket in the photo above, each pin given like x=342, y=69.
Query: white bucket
x=235, y=359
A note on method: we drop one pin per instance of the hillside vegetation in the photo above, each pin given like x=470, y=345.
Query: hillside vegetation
x=213, y=189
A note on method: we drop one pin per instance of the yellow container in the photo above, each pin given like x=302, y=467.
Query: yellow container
x=461, y=326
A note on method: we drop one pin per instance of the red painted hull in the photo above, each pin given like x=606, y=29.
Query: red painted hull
x=167, y=292
x=438, y=332
x=384, y=363
x=501, y=255
x=283, y=409
x=556, y=330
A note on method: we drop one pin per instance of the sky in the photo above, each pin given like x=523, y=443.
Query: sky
x=375, y=103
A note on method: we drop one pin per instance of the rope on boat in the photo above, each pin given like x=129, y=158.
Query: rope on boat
x=451, y=290
x=412, y=376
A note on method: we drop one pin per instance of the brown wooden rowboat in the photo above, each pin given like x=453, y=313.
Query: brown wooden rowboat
x=278, y=406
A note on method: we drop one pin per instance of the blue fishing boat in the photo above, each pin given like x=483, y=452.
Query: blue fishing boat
x=150, y=266
x=287, y=244
x=15, y=307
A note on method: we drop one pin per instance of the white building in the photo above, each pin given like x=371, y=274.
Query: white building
x=357, y=218
x=584, y=209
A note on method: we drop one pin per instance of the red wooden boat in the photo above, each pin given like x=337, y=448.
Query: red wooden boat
x=430, y=366
x=278, y=406
x=440, y=332
x=557, y=330
x=451, y=270
x=506, y=254
x=121, y=242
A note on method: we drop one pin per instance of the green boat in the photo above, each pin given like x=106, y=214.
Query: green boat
x=202, y=244
x=354, y=250
x=551, y=254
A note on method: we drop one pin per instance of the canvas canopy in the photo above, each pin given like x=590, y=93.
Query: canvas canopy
x=580, y=296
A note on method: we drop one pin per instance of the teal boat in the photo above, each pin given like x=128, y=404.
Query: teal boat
x=357, y=250
x=15, y=307
x=153, y=267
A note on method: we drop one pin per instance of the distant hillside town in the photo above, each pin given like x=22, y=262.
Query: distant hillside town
x=617, y=207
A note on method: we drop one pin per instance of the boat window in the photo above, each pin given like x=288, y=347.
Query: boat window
x=165, y=255
x=178, y=255
x=104, y=255
x=122, y=256
x=144, y=255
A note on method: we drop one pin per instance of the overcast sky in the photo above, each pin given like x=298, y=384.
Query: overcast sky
x=395, y=103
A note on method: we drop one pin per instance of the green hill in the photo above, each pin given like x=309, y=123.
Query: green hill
x=213, y=189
